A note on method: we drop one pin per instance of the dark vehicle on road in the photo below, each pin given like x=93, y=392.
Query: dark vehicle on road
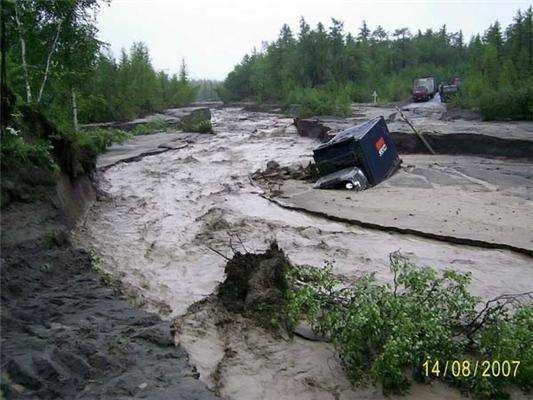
x=448, y=91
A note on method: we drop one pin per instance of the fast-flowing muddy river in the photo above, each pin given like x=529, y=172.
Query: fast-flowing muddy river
x=159, y=215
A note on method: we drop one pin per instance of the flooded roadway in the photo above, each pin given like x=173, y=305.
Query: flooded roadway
x=159, y=216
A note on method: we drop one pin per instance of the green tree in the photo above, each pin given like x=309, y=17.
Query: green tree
x=340, y=66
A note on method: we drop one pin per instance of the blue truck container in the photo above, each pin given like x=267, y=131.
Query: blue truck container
x=368, y=146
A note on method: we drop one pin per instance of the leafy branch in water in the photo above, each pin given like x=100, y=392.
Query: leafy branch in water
x=387, y=331
x=99, y=139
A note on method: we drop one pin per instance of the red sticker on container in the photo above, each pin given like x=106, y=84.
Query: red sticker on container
x=381, y=147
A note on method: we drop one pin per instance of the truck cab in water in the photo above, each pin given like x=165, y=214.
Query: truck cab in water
x=424, y=88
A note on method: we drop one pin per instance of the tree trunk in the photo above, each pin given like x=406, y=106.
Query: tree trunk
x=48, y=60
x=23, y=56
x=74, y=110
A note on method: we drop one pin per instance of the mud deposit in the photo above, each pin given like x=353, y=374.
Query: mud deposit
x=160, y=214
x=66, y=335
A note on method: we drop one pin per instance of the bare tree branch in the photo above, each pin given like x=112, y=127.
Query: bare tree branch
x=422, y=138
x=494, y=307
x=218, y=252
x=242, y=243
x=231, y=245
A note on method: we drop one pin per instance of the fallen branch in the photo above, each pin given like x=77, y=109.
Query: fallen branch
x=493, y=307
x=422, y=138
x=218, y=252
x=240, y=241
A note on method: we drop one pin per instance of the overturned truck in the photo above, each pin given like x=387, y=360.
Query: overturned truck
x=358, y=157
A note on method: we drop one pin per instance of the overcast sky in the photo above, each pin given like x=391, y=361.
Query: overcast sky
x=214, y=35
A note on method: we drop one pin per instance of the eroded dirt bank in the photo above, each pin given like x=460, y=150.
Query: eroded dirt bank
x=159, y=216
x=65, y=333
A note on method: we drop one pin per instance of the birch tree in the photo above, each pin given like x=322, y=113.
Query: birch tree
x=57, y=48
x=23, y=53
x=48, y=59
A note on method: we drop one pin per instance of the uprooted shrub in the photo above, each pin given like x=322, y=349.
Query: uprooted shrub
x=387, y=331
x=256, y=286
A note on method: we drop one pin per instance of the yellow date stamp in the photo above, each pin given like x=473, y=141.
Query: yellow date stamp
x=471, y=368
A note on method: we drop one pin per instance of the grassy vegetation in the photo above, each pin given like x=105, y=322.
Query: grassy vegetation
x=501, y=104
x=387, y=331
x=98, y=139
x=33, y=151
x=153, y=126
x=16, y=150
x=320, y=102
x=97, y=264
x=198, y=121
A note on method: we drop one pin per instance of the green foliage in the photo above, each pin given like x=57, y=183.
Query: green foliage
x=508, y=338
x=507, y=104
x=197, y=121
x=56, y=61
x=321, y=67
x=98, y=139
x=97, y=264
x=387, y=331
x=123, y=90
x=320, y=102
x=60, y=42
x=15, y=150
x=153, y=126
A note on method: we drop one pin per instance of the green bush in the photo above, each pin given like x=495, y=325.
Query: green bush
x=314, y=101
x=387, y=331
x=508, y=338
x=507, y=104
x=471, y=91
x=153, y=126
x=15, y=150
x=98, y=139
x=396, y=88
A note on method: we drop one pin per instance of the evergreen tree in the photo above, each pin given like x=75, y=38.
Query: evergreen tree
x=331, y=65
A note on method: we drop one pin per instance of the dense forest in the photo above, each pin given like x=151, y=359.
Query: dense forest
x=56, y=63
x=56, y=76
x=326, y=69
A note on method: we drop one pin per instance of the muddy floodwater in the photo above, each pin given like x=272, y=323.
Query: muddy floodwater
x=158, y=216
